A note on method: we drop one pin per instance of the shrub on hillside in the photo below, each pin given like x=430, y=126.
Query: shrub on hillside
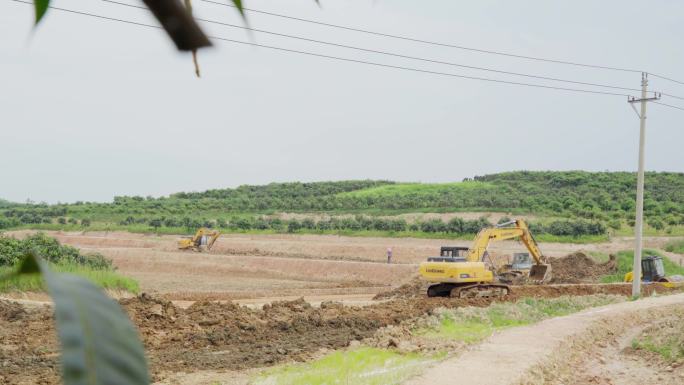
x=12, y=250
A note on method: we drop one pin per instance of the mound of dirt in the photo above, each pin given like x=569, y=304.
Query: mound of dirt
x=416, y=287
x=580, y=268
x=11, y=311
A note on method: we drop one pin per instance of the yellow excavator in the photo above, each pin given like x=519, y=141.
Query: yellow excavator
x=203, y=239
x=461, y=272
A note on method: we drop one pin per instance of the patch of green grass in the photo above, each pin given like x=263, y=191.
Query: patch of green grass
x=416, y=189
x=675, y=246
x=669, y=351
x=362, y=366
x=107, y=279
x=625, y=260
x=472, y=325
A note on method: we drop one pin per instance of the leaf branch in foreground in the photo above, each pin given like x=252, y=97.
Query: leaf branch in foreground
x=100, y=345
x=40, y=6
x=178, y=24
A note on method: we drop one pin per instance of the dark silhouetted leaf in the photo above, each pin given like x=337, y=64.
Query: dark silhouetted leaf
x=178, y=24
x=100, y=346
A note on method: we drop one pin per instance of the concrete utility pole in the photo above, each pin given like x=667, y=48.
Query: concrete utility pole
x=639, y=224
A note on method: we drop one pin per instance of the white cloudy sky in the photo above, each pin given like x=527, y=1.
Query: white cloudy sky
x=90, y=109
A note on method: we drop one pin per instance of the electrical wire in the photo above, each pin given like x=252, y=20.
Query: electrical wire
x=427, y=41
x=665, y=78
x=393, y=54
x=669, y=105
x=350, y=60
x=672, y=96
x=416, y=40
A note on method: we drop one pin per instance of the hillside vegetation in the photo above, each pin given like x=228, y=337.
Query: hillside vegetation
x=570, y=203
x=62, y=258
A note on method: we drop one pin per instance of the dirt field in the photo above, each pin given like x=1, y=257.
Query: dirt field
x=283, y=266
x=187, y=337
x=225, y=336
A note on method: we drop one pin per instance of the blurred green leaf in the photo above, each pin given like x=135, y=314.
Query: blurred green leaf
x=41, y=6
x=100, y=346
x=238, y=4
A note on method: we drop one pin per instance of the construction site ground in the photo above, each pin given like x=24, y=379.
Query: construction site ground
x=196, y=332
x=260, y=268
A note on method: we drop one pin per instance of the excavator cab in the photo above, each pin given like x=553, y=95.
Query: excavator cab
x=521, y=261
x=652, y=269
x=450, y=254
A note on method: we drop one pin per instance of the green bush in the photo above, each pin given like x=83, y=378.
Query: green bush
x=12, y=250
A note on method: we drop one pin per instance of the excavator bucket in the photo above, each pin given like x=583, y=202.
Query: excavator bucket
x=540, y=273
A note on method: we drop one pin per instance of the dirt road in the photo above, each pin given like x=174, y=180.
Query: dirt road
x=510, y=356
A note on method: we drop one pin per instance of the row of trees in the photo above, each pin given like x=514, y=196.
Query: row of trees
x=365, y=223
x=32, y=219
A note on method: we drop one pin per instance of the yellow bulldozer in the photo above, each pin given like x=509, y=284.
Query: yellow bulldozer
x=203, y=239
x=462, y=272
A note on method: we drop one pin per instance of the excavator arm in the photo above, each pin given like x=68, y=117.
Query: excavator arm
x=510, y=230
x=213, y=236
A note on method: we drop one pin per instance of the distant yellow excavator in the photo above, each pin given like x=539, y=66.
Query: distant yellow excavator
x=462, y=272
x=203, y=239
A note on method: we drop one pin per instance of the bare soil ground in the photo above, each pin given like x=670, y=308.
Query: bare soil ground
x=193, y=337
x=242, y=266
x=210, y=336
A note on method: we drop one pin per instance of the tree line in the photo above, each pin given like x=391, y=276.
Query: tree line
x=456, y=225
x=606, y=197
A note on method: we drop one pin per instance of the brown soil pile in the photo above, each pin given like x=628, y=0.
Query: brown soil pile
x=580, y=268
x=11, y=311
x=416, y=287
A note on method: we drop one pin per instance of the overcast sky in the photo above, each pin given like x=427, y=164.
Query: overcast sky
x=90, y=109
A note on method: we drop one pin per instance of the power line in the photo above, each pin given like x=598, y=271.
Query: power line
x=393, y=54
x=416, y=40
x=351, y=60
x=665, y=78
x=428, y=41
x=669, y=105
x=672, y=96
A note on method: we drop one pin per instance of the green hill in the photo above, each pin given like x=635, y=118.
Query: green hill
x=606, y=198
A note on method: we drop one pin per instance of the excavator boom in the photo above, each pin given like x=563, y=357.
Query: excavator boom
x=540, y=271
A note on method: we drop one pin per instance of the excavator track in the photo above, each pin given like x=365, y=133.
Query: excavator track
x=475, y=290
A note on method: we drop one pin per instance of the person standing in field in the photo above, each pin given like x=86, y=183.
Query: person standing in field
x=389, y=255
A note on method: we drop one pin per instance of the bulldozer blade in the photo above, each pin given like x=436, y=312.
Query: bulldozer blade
x=540, y=273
